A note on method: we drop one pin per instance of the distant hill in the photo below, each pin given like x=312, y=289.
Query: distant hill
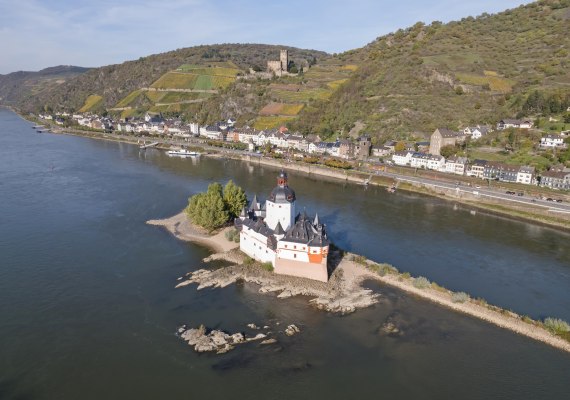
x=114, y=82
x=17, y=87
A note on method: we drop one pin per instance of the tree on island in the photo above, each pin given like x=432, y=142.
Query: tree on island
x=234, y=199
x=216, y=206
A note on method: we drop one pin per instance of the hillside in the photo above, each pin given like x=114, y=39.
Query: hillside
x=114, y=82
x=476, y=70
x=17, y=87
x=401, y=85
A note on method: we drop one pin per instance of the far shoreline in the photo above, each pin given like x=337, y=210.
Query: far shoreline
x=344, y=293
x=504, y=209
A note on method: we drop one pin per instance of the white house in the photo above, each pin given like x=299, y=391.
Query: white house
x=514, y=123
x=402, y=157
x=526, y=175
x=427, y=161
x=552, y=140
x=456, y=165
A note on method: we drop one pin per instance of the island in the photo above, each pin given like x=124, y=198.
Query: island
x=287, y=253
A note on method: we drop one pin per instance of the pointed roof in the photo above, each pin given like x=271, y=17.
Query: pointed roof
x=243, y=213
x=279, y=229
x=254, y=205
x=316, y=221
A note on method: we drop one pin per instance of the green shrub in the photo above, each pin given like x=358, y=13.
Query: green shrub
x=248, y=261
x=232, y=235
x=267, y=266
x=556, y=326
x=459, y=297
x=421, y=282
x=406, y=275
x=527, y=319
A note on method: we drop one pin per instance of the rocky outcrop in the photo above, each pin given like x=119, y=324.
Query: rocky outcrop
x=342, y=294
x=216, y=340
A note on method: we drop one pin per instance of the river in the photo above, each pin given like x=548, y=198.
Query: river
x=88, y=307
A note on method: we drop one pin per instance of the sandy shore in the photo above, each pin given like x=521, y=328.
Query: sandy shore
x=181, y=227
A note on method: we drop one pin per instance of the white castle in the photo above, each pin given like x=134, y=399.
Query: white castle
x=273, y=232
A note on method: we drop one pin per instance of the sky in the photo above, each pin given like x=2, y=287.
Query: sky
x=36, y=34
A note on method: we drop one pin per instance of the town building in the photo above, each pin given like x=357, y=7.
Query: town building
x=402, y=157
x=274, y=232
x=526, y=175
x=456, y=165
x=444, y=137
x=555, y=179
x=477, y=169
x=362, y=148
x=427, y=161
x=501, y=171
x=514, y=123
x=551, y=140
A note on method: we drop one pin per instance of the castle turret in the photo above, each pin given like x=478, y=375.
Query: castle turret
x=280, y=205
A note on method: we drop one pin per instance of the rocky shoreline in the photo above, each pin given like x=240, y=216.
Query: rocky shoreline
x=343, y=293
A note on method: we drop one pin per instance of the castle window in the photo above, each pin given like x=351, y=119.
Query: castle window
x=294, y=255
x=294, y=247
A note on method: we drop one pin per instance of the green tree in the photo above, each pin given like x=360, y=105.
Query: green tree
x=234, y=199
x=400, y=146
x=208, y=209
x=448, y=151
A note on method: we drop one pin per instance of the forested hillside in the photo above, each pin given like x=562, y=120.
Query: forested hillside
x=476, y=70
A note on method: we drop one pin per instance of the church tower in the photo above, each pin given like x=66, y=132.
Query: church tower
x=280, y=205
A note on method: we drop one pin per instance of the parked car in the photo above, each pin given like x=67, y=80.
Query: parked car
x=549, y=199
x=559, y=200
x=520, y=194
x=510, y=192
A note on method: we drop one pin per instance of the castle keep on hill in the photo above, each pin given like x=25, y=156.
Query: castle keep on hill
x=273, y=232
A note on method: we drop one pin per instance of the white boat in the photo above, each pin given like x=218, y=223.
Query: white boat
x=182, y=153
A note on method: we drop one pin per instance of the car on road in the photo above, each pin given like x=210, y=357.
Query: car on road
x=520, y=194
x=549, y=199
x=559, y=200
x=477, y=187
x=510, y=192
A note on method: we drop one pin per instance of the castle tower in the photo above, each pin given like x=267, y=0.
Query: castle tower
x=284, y=58
x=280, y=205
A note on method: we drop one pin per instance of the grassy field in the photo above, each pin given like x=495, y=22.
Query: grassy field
x=271, y=122
x=128, y=113
x=198, y=79
x=155, y=97
x=91, y=103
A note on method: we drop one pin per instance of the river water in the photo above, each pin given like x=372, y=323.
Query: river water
x=88, y=307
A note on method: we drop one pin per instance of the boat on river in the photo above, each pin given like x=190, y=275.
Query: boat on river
x=182, y=153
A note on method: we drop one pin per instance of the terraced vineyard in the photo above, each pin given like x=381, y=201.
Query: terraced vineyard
x=176, y=90
x=91, y=103
x=289, y=99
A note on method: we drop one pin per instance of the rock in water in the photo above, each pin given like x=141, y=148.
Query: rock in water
x=292, y=330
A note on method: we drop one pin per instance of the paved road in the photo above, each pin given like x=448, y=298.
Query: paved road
x=483, y=192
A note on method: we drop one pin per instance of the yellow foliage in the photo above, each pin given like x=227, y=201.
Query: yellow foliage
x=90, y=103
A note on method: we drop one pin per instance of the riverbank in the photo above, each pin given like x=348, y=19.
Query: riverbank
x=526, y=213
x=344, y=292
